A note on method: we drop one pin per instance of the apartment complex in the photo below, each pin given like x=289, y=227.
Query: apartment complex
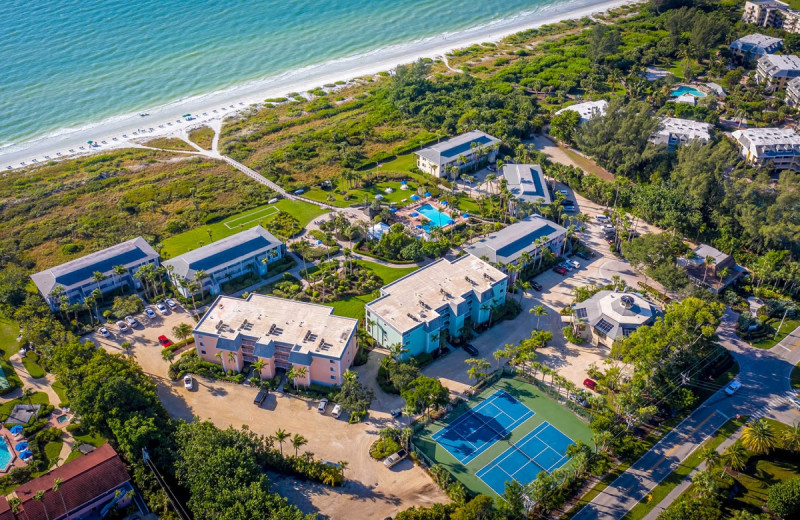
x=461, y=152
x=588, y=109
x=440, y=300
x=753, y=46
x=526, y=182
x=776, y=70
x=78, y=278
x=281, y=333
x=674, y=131
x=251, y=251
x=793, y=93
x=778, y=146
x=770, y=13
x=509, y=245
x=608, y=316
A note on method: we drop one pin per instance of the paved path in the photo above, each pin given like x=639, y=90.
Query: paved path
x=765, y=392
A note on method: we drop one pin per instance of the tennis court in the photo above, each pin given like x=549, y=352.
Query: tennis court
x=480, y=427
x=543, y=449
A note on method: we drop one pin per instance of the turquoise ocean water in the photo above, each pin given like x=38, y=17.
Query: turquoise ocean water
x=66, y=63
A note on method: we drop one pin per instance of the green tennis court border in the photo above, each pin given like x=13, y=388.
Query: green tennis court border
x=545, y=408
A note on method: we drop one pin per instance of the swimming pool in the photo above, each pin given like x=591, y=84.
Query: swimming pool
x=686, y=90
x=436, y=217
x=5, y=454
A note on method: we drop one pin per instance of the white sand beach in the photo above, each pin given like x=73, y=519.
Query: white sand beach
x=168, y=120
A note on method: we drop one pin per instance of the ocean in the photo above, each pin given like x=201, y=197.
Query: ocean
x=65, y=64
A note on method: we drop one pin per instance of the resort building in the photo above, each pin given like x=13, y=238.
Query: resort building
x=588, y=109
x=520, y=243
x=91, y=487
x=776, y=70
x=753, y=46
x=673, y=132
x=716, y=276
x=770, y=13
x=779, y=147
x=248, y=252
x=610, y=315
x=461, y=152
x=526, y=182
x=281, y=333
x=443, y=299
x=78, y=278
x=793, y=93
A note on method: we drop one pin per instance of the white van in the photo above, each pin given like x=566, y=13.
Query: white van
x=273, y=201
x=337, y=410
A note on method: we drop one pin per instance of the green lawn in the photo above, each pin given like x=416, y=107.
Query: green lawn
x=92, y=439
x=359, y=195
x=660, y=492
x=33, y=368
x=74, y=454
x=353, y=306
x=387, y=274
x=770, y=341
x=194, y=238
x=60, y=391
x=8, y=337
x=52, y=450
x=37, y=398
x=403, y=163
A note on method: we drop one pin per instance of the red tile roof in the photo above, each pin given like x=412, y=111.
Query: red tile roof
x=5, y=510
x=83, y=479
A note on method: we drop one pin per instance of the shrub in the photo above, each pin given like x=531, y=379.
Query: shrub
x=383, y=448
x=572, y=338
x=362, y=356
x=48, y=435
x=783, y=498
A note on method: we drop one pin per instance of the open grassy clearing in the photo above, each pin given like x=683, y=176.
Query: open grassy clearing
x=772, y=340
x=202, y=137
x=169, y=143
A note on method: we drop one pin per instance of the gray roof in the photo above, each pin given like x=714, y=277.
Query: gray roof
x=80, y=270
x=230, y=249
x=757, y=44
x=780, y=65
x=508, y=244
x=704, y=250
x=616, y=314
x=458, y=145
x=526, y=182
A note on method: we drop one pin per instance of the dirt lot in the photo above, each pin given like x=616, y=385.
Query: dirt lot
x=371, y=491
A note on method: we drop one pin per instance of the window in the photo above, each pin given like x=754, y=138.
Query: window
x=333, y=377
x=333, y=369
x=331, y=361
x=201, y=344
x=203, y=352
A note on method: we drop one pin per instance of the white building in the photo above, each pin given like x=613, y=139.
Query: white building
x=674, y=131
x=755, y=45
x=250, y=251
x=526, y=182
x=76, y=278
x=776, y=70
x=608, y=316
x=780, y=146
x=461, y=151
x=588, y=109
x=793, y=92
x=770, y=13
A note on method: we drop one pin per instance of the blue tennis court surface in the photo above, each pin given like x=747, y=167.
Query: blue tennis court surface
x=543, y=449
x=480, y=427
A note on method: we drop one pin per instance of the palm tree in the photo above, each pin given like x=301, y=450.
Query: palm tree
x=791, y=438
x=119, y=271
x=218, y=355
x=707, y=262
x=735, y=457
x=349, y=376
x=168, y=355
x=98, y=277
x=711, y=457
x=193, y=287
x=298, y=441
x=258, y=366
x=56, y=486
x=89, y=301
x=97, y=295
x=39, y=497
x=342, y=466
x=232, y=359
x=538, y=311
x=16, y=504
x=396, y=350
x=281, y=435
x=759, y=437
x=182, y=331
x=199, y=277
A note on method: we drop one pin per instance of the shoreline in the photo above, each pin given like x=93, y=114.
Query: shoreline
x=211, y=108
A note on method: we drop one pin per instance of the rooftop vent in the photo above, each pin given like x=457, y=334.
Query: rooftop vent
x=412, y=316
x=308, y=334
x=626, y=301
x=220, y=324
x=271, y=329
x=487, y=277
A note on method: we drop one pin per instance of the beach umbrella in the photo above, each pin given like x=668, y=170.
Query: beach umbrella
x=427, y=194
x=419, y=226
x=415, y=197
x=415, y=214
x=21, y=446
x=465, y=215
x=402, y=182
x=444, y=203
x=26, y=454
x=17, y=428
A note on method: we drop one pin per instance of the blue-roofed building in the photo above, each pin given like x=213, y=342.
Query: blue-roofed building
x=282, y=333
x=753, y=46
x=76, y=279
x=462, y=151
x=526, y=182
x=509, y=245
x=251, y=251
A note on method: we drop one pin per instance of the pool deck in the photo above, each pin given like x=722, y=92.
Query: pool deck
x=699, y=87
x=404, y=215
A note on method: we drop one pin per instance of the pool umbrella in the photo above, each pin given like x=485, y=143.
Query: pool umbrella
x=415, y=197
x=17, y=428
x=419, y=226
x=402, y=182
x=444, y=203
x=427, y=194
x=465, y=215
x=21, y=446
x=415, y=214
x=26, y=454
x=393, y=210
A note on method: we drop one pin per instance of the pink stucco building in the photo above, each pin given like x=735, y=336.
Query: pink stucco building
x=283, y=333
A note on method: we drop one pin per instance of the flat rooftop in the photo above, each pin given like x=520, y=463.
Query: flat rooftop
x=526, y=182
x=413, y=299
x=311, y=327
x=755, y=40
x=588, y=109
x=458, y=145
x=509, y=243
x=684, y=128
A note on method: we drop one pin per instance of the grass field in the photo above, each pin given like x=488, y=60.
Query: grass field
x=545, y=408
x=37, y=398
x=194, y=238
x=353, y=306
x=8, y=337
x=770, y=341
x=359, y=195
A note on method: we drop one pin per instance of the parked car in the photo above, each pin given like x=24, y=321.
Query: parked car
x=492, y=168
x=569, y=208
x=323, y=404
x=171, y=303
x=574, y=263
x=273, y=200
x=165, y=342
x=104, y=332
x=131, y=321
x=394, y=458
x=471, y=350
x=150, y=313
x=536, y=286
x=611, y=240
x=299, y=192
x=567, y=202
x=563, y=192
x=397, y=412
x=586, y=255
x=161, y=308
x=122, y=326
x=603, y=218
x=337, y=410
x=188, y=382
x=579, y=398
x=608, y=227
x=733, y=387
x=560, y=270
x=565, y=265
x=260, y=397
x=589, y=383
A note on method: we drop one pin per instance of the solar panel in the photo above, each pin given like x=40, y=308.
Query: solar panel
x=627, y=331
x=604, y=326
x=580, y=313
